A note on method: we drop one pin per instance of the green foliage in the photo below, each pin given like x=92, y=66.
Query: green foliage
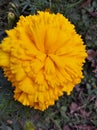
x=75, y=112
x=29, y=126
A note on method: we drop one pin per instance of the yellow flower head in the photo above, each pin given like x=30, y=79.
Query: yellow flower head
x=43, y=57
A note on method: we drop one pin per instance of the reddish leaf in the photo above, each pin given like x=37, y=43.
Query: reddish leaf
x=78, y=88
x=85, y=127
x=86, y=3
x=84, y=113
x=40, y=129
x=93, y=63
x=95, y=70
x=94, y=14
x=73, y=107
x=91, y=54
x=66, y=127
x=96, y=103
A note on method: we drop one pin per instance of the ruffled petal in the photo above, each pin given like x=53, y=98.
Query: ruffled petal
x=43, y=57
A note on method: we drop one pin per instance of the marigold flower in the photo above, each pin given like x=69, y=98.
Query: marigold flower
x=43, y=57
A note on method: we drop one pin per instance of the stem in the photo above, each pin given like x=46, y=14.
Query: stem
x=50, y=2
x=56, y=124
x=73, y=5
